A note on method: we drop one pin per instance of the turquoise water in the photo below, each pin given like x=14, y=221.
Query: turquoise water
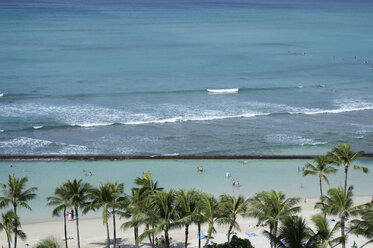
x=254, y=176
x=131, y=77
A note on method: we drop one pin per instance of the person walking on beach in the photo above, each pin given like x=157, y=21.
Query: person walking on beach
x=72, y=214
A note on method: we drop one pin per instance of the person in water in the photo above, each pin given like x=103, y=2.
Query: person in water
x=233, y=182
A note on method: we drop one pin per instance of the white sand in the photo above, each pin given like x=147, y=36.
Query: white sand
x=93, y=232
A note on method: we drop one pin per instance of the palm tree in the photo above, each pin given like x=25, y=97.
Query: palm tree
x=146, y=185
x=364, y=227
x=132, y=210
x=337, y=201
x=101, y=197
x=14, y=193
x=325, y=234
x=164, y=210
x=147, y=188
x=78, y=193
x=118, y=201
x=232, y=207
x=270, y=207
x=342, y=155
x=211, y=212
x=10, y=223
x=60, y=199
x=199, y=218
x=186, y=209
x=293, y=233
x=321, y=168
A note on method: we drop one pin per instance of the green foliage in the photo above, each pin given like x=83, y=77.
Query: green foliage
x=235, y=243
x=50, y=242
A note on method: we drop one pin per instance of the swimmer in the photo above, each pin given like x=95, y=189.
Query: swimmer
x=227, y=174
x=11, y=165
x=237, y=183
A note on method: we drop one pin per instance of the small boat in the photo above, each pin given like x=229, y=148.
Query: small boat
x=223, y=91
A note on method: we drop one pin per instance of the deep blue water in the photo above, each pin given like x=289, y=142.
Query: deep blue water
x=131, y=77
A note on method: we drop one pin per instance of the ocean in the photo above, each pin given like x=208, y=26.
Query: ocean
x=132, y=76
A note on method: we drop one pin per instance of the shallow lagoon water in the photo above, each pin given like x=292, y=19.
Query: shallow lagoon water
x=254, y=176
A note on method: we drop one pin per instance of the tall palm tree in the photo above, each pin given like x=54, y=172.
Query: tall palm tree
x=78, y=193
x=293, y=233
x=211, y=212
x=342, y=155
x=326, y=235
x=186, y=209
x=119, y=200
x=364, y=227
x=232, y=207
x=199, y=218
x=321, y=168
x=9, y=224
x=101, y=197
x=60, y=199
x=163, y=205
x=270, y=207
x=14, y=193
x=146, y=188
x=132, y=211
x=337, y=201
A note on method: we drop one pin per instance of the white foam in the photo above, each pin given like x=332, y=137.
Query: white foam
x=343, y=108
x=37, y=127
x=223, y=91
x=293, y=140
x=94, y=124
x=22, y=145
x=171, y=154
x=300, y=86
x=193, y=118
x=1, y=94
x=1, y=131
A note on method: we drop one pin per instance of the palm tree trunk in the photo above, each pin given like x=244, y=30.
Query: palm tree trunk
x=271, y=231
x=199, y=235
x=275, y=232
x=7, y=236
x=149, y=236
x=64, y=225
x=77, y=226
x=346, y=172
x=320, y=186
x=229, y=232
x=107, y=235
x=186, y=235
x=166, y=238
x=343, y=230
x=209, y=234
x=114, y=229
x=15, y=234
x=136, y=233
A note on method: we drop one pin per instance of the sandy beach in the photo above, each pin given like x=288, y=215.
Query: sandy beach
x=93, y=232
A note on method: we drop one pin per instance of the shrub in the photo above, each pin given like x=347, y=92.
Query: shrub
x=235, y=243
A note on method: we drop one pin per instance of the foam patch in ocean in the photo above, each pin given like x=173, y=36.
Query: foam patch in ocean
x=292, y=140
x=26, y=145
